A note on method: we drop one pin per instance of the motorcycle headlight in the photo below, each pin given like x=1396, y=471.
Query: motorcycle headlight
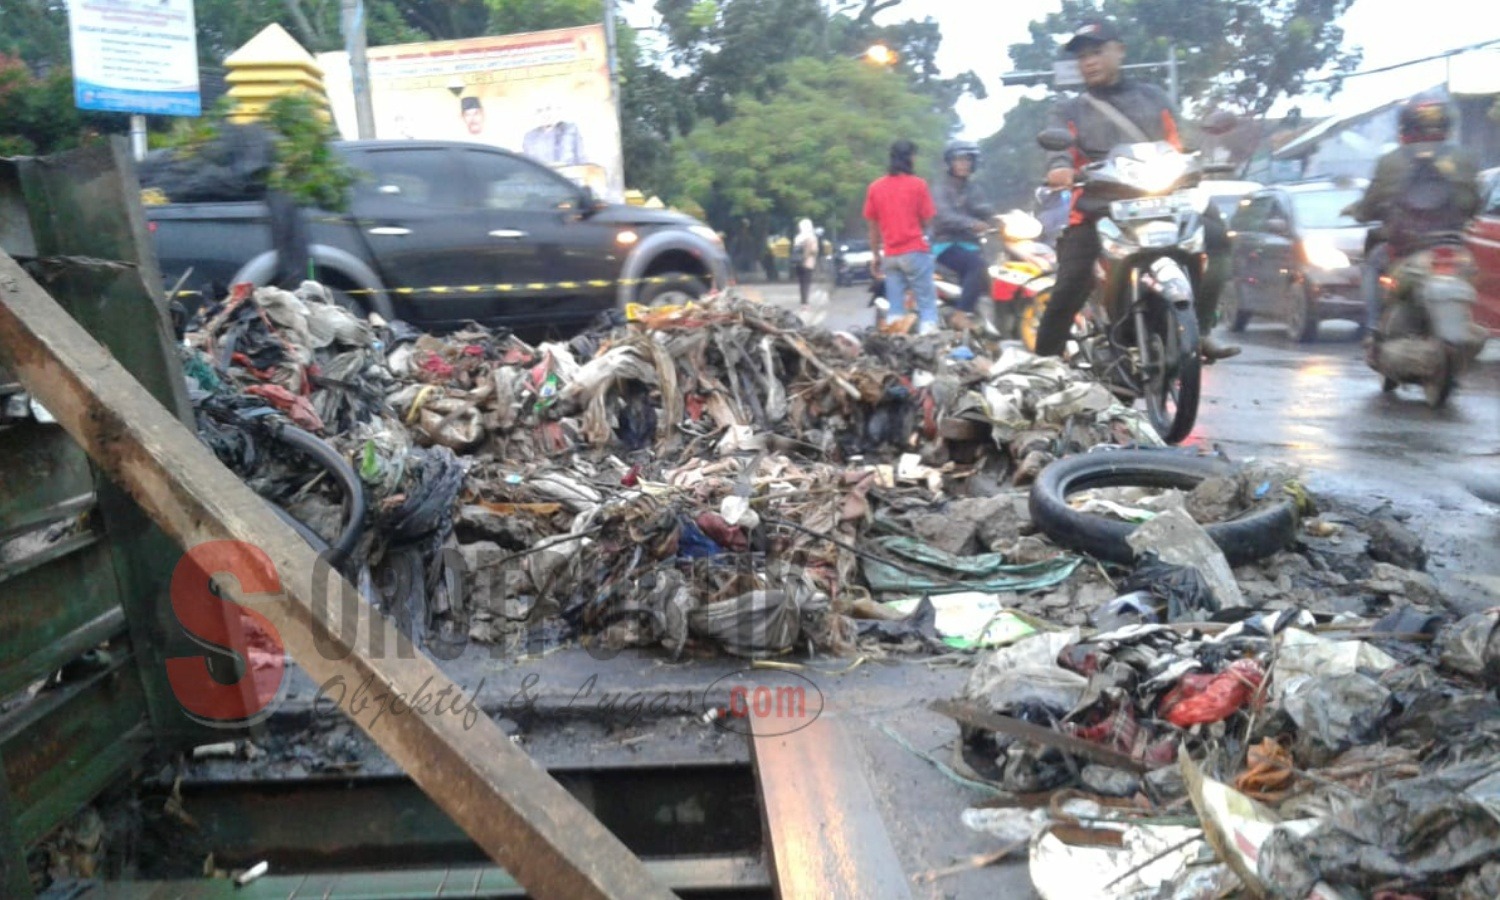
x=1322, y=254
x=1153, y=175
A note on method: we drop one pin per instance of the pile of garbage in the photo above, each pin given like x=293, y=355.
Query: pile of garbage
x=1195, y=739
x=715, y=473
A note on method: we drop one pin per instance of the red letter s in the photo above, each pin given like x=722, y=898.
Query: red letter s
x=215, y=622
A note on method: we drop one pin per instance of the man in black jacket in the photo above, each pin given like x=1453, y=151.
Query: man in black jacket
x=961, y=218
x=1100, y=54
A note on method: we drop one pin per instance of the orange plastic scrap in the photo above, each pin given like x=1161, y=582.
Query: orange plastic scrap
x=1269, y=776
x=1205, y=699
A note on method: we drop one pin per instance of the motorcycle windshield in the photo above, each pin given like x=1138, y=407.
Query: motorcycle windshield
x=1141, y=170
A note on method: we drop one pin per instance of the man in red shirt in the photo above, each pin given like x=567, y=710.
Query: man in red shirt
x=898, y=207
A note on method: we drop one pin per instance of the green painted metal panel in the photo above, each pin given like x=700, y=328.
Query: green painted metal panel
x=68, y=745
x=42, y=469
x=45, y=605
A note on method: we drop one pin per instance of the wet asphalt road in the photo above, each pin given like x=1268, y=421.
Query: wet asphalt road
x=1318, y=407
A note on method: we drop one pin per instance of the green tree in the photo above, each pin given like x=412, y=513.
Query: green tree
x=1238, y=53
x=1011, y=163
x=37, y=114
x=796, y=154
x=513, y=16
x=35, y=31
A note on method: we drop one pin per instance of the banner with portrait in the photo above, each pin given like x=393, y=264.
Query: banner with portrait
x=545, y=94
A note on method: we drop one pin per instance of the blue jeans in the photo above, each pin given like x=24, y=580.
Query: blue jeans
x=913, y=271
x=970, y=268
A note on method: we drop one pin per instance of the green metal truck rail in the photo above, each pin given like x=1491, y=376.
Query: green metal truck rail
x=83, y=572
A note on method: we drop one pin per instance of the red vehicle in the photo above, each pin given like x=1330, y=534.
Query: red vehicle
x=1483, y=239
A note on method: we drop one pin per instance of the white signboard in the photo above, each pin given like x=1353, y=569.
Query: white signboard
x=135, y=56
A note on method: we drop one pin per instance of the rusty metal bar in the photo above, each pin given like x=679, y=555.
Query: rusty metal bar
x=823, y=827
x=522, y=819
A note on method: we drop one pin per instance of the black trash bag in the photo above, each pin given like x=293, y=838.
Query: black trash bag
x=398, y=332
x=234, y=166
x=637, y=417
x=434, y=478
x=1180, y=589
x=919, y=625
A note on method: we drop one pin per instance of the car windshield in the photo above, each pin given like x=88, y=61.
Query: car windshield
x=1320, y=209
x=1227, y=204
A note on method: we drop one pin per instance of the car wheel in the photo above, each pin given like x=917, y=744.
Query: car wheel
x=1302, y=316
x=671, y=289
x=1230, y=312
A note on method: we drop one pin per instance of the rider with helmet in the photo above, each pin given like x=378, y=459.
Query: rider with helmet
x=961, y=217
x=1423, y=189
x=1115, y=109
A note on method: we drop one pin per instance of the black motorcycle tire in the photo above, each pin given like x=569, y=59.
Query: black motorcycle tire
x=1188, y=376
x=1259, y=534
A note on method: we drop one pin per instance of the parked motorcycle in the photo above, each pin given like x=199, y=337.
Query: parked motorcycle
x=1428, y=335
x=1021, y=278
x=1140, y=332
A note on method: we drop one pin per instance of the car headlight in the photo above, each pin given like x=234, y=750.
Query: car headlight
x=708, y=234
x=1322, y=254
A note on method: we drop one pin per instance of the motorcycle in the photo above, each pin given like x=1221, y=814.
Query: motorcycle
x=1428, y=335
x=1021, y=279
x=1021, y=271
x=1140, y=332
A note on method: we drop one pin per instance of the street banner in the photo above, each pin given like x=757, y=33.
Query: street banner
x=546, y=94
x=135, y=56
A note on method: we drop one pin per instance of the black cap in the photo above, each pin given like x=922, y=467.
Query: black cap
x=468, y=103
x=1094, y=30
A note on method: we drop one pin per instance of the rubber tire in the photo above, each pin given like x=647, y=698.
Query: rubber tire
x=1245, y=540
x=1236, y=319
x=676, y=281
x=1305, y=332
x=1192, y=378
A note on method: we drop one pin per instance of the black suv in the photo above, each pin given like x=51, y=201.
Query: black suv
x=1296, y=257
x=439, y=233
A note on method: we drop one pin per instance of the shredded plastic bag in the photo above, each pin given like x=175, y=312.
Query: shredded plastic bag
x=1182, y=590
x=1204, y=699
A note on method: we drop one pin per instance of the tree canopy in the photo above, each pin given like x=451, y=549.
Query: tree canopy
x=1244, y=54
x=803, y=153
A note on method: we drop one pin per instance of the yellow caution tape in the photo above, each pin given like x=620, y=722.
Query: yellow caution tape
x=530, y=286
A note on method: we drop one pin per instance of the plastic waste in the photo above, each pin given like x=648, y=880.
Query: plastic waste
x=1027, y=674
x=1180, y=590
x=1173, y=537
x=1204, y=699
x=1472, y=646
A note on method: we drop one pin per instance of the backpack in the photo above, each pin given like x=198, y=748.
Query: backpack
x=1427, y=203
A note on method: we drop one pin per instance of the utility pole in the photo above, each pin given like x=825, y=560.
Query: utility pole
x=138, y=136
x=611, y=44
x=359, y=67
x=1172, y=87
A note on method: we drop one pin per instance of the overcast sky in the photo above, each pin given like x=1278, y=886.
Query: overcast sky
x=1390, y=31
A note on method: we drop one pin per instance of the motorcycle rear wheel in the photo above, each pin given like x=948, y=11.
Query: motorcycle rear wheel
x=1172, y=391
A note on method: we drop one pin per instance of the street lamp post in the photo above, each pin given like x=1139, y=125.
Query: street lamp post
x=879, y=54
